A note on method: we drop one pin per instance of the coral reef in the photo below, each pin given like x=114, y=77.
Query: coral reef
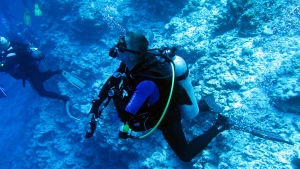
x=245, y=53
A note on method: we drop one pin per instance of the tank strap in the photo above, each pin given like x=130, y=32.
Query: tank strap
x=183, y=76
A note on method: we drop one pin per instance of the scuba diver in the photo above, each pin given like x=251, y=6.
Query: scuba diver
x=27, y=63
x=147, y=96
x=37, y=11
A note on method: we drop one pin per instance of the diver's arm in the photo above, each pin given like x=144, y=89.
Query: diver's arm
x=145, y=91
x=94, y=112
x=113, y=81
x=103, y=95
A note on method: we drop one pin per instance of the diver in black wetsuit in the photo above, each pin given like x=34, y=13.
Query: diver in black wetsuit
x=25, y=62
x=140, y=91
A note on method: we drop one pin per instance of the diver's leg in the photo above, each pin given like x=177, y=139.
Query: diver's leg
x=38, y=86
x=172, y=131
x=175, y=137
x=49, y=74
x=200, y=142
x=186, y=152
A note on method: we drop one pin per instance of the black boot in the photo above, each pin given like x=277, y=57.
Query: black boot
x=203, y=106
x=58, y=71
x=208, y=104
x=222, y=123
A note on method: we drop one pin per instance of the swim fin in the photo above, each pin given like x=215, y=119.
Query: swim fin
x=2, y=92
x=74, y=80
x=210, y=101
x=269, y=136
x=27, y=19
x=37, y=10
x=264, y=134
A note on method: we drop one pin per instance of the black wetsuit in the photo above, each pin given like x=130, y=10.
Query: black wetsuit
x=17, y=61
x=149, y=113
x=36, y=81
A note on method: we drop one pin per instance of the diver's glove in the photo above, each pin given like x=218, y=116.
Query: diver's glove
x=37, y=11
x=92, y=129
x=27, y=19
x=125, y=132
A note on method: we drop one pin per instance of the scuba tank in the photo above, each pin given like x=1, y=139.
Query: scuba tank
x=39, y=59
x=182, y=77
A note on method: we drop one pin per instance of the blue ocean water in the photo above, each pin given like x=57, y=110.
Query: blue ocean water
x=245, y=53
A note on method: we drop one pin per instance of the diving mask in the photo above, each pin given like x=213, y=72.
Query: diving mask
x=120, y=47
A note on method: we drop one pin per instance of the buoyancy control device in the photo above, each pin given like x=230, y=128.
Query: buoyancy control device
x=182, y=77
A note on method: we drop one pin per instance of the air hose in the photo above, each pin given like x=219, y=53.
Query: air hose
x=167, y=106
x=68, y=112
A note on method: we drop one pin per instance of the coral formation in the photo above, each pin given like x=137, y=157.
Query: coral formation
x=245, y=53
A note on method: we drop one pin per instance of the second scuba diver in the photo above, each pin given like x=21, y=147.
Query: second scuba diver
x=27, y=63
